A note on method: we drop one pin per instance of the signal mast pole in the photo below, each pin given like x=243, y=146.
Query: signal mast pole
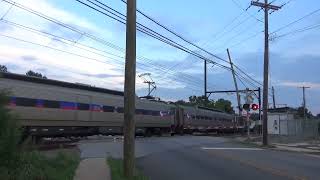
x=205, y=78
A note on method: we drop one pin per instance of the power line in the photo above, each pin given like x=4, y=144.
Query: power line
x=235, y=36
x=91, y=36
x=307, y=28
x=6, y=13
x=70, y=53
x=232, y=29
x=245, y=40
x=70, y=43
x=102, y=41
x=156, y=35
x=166, y=28
x=296, y=21
x=176, y=34
x=246, y=11
x=225, y=27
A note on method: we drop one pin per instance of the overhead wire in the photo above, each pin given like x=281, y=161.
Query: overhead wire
x=246, y=11
x=300, y=30
x=80, y=32
x=166, y=28
x=296, y=21
x=68, y=27
x=195, y=87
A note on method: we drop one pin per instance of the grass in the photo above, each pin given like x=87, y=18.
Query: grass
x=35, y=166
x=116, y=167
x=251, y=144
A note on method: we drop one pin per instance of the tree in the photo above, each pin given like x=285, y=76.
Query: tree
x=201, y=101
x=301, y=114
x=182, y=102
x=35, y=74
x=3, y=68
x=224, y=105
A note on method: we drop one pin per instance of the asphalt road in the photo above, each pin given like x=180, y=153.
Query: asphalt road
x=204, y=158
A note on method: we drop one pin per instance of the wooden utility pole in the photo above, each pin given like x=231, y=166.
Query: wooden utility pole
x=304, y=100
x=129, y=92
x=205, y=78
x=266, y=6
x=273, y=98
x=235, y=84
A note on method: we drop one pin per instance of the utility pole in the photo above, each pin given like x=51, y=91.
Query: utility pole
x=235, y=84
x=304, y=100
x=266, y=6
x=273, y=98
x=129, y=92
x=205, y=78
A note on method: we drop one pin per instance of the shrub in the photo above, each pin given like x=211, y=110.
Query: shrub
x=9, y=135
x=16, y=164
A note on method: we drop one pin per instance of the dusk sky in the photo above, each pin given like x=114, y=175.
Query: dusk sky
x=212, y=24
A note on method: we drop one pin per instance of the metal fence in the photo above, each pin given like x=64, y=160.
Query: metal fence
x=303, y=128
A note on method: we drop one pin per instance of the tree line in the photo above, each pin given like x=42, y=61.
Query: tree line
x=203, y=101
x=28, y=73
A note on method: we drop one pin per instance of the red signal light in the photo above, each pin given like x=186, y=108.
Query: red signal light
x=254, y=107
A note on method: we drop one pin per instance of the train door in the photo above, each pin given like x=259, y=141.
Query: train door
x=179, y=120
x=83, y=113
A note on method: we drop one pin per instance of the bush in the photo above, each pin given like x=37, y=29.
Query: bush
x=15, y=164
x=9, y=134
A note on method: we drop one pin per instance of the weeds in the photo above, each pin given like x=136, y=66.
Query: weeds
x=116, y=167
x=16, y=164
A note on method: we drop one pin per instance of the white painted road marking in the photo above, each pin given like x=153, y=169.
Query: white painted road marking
x=226, y=148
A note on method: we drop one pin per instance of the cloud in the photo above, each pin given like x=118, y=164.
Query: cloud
x=28, y=58
x=300, y=84
x=101, y=75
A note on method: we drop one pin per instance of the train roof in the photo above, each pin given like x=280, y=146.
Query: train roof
x=59, y=83
x=210, y=109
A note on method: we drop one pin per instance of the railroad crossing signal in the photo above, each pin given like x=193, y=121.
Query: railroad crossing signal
x=254, y=107
x=247, y=107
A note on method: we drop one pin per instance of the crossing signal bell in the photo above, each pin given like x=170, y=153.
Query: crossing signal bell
x=254, y=107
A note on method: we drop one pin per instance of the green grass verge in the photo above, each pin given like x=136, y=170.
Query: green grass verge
x=35, y=166
x=116, y=167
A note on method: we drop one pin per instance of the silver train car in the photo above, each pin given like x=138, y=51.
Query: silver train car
x=55, y=108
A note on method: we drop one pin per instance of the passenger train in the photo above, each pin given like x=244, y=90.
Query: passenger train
x=48, y=107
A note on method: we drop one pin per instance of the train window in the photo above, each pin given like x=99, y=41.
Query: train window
x=139, y=111
x=25, y=102
x=68, y=105
x=108, y=108
x=51, y=104
x=198, y=117
x=82, y=106
x=120, y=109
x=147, y=112
x=193, y=117
x=210, y=118
x=155, y=113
